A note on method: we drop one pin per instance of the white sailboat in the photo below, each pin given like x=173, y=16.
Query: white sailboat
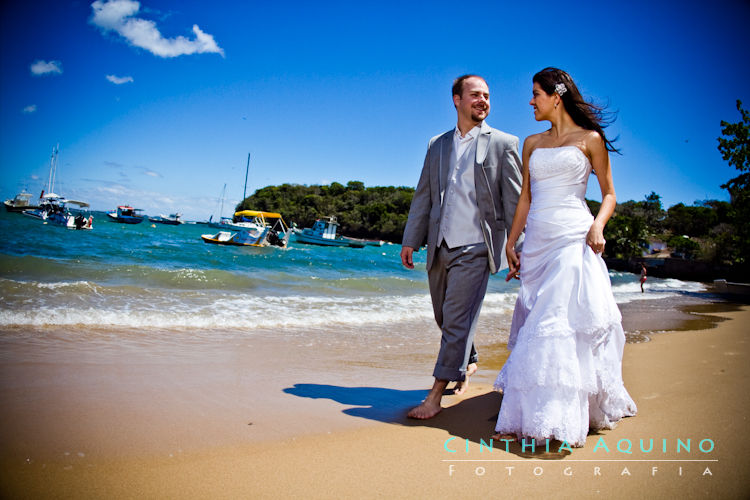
x=54, y=208
x=238, y=222
x=223, y=222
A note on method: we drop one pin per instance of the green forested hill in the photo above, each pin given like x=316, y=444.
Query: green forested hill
x=702, y=231
x=363, y=212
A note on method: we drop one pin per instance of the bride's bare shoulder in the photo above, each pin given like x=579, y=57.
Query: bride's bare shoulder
x=532, y=141
x=592, y=140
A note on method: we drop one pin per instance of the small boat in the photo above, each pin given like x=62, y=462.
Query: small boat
x=126, y=215
x=20, y=203
x=257, y=229
x=53, y=208
x=369, y=243
x=172, y=219
x=323, y=233
x=240, y=238
x=229, y=224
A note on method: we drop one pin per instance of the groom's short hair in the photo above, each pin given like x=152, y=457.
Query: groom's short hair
x=458, y=84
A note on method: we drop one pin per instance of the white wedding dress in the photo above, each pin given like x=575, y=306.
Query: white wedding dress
x=564, y=372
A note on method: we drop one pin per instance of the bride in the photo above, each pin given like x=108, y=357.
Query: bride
x=564, y=373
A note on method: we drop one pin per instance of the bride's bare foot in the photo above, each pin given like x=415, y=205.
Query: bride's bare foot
x=504, y=437
x=424, y=411
x=461, y=386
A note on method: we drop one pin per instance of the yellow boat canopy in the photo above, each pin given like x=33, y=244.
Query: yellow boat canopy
x=254, y=213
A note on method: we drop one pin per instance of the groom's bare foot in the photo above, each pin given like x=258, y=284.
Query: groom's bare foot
x=425, y=410
x=431, y=404
x=461, y=386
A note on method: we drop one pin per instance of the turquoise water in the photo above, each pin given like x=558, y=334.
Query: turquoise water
x=166, y=277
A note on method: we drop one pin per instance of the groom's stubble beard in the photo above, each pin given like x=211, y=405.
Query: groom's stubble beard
x=479, y=116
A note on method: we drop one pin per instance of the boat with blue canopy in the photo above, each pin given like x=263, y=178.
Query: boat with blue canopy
x=323, y=233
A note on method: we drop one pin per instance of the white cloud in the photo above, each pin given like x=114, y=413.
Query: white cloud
x=124, y=170
x=119, y=80
x=40, y=67
x=115, y=190
x=118, y=16
x=30, y=109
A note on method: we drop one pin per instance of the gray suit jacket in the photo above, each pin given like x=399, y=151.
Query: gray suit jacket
x=497, y=179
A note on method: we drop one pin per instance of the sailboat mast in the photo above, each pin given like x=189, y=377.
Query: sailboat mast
x=223, y=193
x=52, y=169
x=247, y=169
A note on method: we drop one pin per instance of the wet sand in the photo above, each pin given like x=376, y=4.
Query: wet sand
x=119, y=414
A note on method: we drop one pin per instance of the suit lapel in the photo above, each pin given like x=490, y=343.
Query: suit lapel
x=481, y=183
x=483, y=142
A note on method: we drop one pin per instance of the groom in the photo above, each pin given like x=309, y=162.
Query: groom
x=465, y=199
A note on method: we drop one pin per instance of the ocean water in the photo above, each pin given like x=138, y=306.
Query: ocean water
x=166, y=278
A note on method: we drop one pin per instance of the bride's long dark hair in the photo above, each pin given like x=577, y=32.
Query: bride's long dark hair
x=583, y=113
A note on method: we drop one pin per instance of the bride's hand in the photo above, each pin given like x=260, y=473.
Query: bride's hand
x=514, y=262
x=595, y=238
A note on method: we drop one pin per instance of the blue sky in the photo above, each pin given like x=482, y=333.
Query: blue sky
x=157, y=104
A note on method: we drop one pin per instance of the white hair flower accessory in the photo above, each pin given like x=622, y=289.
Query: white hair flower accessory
x=560, y=88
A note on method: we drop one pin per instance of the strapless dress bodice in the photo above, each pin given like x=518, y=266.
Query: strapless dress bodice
x=558, y=177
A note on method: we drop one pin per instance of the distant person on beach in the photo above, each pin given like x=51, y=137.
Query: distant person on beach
x=564, y=373
x=466, y=196
x=643, y=275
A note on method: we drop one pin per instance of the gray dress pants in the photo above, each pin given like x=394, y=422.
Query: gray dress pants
x=458, y=281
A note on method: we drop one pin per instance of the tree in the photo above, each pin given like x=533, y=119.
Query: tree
x=721, y=208
x=625, y=236
x=356, y=185
x=652, y=210
x=734, y=147
x=365, y=212
x=653, y=202
x=683, y=246
x=649, y=211
x=691, y=221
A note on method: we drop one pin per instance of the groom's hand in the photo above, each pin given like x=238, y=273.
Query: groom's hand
x=406, y=257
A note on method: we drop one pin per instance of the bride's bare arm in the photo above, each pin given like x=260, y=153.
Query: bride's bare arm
x=600, y=162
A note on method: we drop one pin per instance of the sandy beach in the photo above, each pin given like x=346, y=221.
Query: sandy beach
x=90, y=417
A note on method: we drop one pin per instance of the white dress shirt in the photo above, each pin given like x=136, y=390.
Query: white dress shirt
x=459, y=224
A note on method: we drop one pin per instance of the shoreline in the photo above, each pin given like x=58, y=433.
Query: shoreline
x=661, y=266
x=208, y=423
x=642, y=319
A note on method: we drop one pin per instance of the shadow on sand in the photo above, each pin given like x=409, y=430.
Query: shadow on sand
x=472, y=418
